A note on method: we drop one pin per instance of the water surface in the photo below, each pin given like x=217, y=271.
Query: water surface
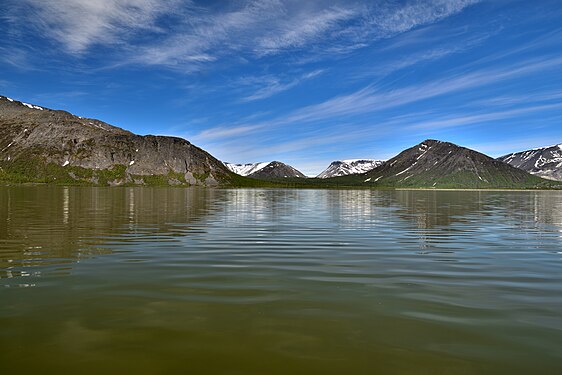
x=170, y=281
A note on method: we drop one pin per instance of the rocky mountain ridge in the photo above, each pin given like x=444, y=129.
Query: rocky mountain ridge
x=38, y=143
x=545, y=162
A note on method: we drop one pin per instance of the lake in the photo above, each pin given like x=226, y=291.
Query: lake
x=251, y=281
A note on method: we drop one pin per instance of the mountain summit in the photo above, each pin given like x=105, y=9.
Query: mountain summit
x=42, y=145
x=276, y=169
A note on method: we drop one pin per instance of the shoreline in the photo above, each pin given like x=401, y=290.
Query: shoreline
x=311, y=187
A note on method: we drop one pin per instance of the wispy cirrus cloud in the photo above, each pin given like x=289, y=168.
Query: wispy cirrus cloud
x=370, y=99
x=255, y=29
x=298, y=31
x=438, y=50
x=79, y=24
x=190, y=34
x=397, y=20
x=267, y=86
x=15, y=57
x=225, y=132
x=511, y=100
x=470, y=119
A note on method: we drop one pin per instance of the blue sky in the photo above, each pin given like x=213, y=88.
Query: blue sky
x=304, y=82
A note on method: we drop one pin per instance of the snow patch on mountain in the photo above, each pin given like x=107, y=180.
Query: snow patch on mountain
x=32, y=106
x=350, y=166
x=246, y=169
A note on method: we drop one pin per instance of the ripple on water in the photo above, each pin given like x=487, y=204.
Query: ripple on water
x=328, y=281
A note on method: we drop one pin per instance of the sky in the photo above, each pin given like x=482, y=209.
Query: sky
x=304, y=82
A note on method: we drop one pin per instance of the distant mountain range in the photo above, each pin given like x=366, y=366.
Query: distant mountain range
x=38, y=144
x=277, y=169
x=347, y=167
x=274, y=169
x=545, y=162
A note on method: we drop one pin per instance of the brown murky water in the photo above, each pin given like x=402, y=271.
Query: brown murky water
x=193, y=281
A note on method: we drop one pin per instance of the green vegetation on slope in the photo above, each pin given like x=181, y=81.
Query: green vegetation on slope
x=34, y=170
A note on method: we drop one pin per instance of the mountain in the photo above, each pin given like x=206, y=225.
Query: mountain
x=245, y=169
x=445, y=165
x=276, y=169
x=42, y=145
x=545, y=162
x=345, y=167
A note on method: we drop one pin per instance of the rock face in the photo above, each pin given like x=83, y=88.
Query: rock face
x=276, y=169
x=245, y=169
x=545, y=162
x=51, y=142
x=347, y=167
x=441, y=164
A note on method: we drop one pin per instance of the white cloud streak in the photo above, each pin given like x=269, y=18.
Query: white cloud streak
x=194, y=36
x=271, y=85
x=80, y=24
x=510, y=100
x=225, y=132
x=417, y=13
x=457, y=120
x=369, y=99
x=300, y=30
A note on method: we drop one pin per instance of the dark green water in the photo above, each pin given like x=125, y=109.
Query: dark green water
x=192, y=281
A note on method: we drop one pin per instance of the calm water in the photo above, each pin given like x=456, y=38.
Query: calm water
x=178, y=281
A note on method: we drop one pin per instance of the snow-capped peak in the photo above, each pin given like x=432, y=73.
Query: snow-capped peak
x=349, y=166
